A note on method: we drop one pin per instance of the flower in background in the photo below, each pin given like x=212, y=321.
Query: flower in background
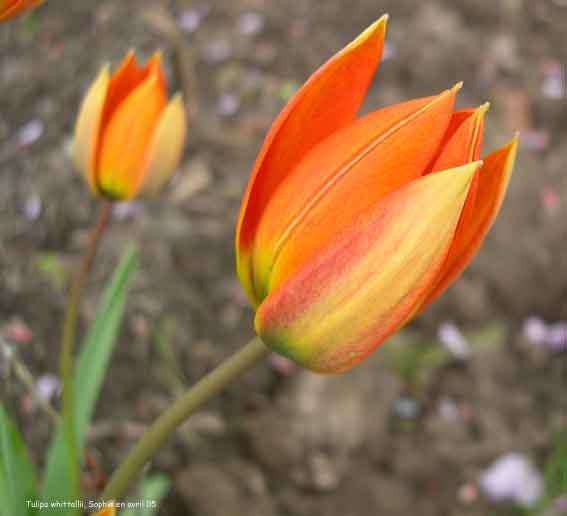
x=453, y=340
x=351, y=226
x=512, y=478
x=553, y=336
x=10, y=8
x=128, y=139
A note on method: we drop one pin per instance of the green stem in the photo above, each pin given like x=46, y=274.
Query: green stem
x=172, y=417
x=68, y=341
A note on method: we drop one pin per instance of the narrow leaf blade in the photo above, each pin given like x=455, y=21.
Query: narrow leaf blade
x=88, y=377
x=17, y=471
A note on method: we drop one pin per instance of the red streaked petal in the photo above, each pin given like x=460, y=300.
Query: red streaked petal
x=493, y=179
x=357, y=291
x=348, y=172
x=328, y=100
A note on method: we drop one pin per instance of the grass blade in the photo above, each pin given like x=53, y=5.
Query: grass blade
x=17, y=472
x=88, y=377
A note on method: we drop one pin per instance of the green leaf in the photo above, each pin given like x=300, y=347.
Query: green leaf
x=88, y=376
x=150, y=494
x=17, y=473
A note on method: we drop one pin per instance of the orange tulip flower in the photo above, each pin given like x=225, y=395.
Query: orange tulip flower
x=10, y=8
x=107, y=511
x=128, y=141
x=351, y=226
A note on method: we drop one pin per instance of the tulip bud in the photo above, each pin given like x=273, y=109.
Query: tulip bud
x=351, y=226
x=10, y=8
x=128, y=141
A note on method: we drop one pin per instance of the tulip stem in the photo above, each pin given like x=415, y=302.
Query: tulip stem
x=68, y=341
x=210, y=385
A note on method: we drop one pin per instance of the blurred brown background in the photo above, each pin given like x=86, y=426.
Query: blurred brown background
x=415, y=427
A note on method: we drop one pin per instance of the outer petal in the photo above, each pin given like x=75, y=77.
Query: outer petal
x=355, y=293
x=15, y=7
x=166, y=148
x=87, y=129
x=327, y=101
x=108, y=511
x=352, y=169
x=125, y=140
x=493, y=179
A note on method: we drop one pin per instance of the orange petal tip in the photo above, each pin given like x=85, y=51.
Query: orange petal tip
x=482, y=109
x=378, y=27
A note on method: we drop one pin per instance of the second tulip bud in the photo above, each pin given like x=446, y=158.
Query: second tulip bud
x=128, y=139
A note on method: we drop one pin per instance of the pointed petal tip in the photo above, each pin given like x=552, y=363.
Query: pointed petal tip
x=104, y=71
x=511, y=146
x=376, y=29
x=457, y=87
x=381, y=22
x=451, y=91
x=461, y=175
x=130, y=57
x=176, y=98
x=482, y=109
x=379, y=25
x=470, y=168
x=156, y=57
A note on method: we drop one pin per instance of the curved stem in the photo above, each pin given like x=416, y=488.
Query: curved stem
x=181, y=409
x=68, y=340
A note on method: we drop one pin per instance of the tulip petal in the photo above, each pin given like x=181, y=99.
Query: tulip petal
x=166, y=148
x=125, y=140
x=464, y=141
x=88, y=128
x=462, y=145
x=352, y=169
x=127, y=77
x=357, y=291
x=493, y=179
x=17, y=7
x=328, y=101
